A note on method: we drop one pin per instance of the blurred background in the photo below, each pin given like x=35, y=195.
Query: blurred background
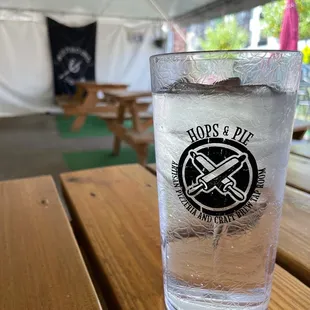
x=59, y=60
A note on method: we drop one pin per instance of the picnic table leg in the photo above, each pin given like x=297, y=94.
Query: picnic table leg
x=78, y=96
x=90, y=101
x=78, y=123
x=141, y=149
x=142, y=152
x=135, y=116
x=120, y=120
x=148, y=123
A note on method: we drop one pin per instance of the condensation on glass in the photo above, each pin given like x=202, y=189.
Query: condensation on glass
x=223, y=125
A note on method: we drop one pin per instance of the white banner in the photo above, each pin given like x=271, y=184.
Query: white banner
x=26, y=84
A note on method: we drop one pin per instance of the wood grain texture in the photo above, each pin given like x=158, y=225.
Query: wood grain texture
x=127, y=95
x=301, y=149
x=294, y=239
x=40, y=264
x=288, y=293
x=298, y=173
x=116, y=211
x=103, y=87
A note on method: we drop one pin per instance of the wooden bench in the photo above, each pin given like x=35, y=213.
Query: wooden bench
x=125, y=224
x=287, y=292
x=298, y=172
x=68, y=101
x=41, y=266
x=86, y=102
x=294, y=239
x=116, y=211
x=137, y=137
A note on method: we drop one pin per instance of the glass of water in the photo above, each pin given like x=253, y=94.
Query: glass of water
x=223, y=125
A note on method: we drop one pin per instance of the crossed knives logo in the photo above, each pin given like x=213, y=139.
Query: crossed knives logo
x=217, y=176
x=74, y=66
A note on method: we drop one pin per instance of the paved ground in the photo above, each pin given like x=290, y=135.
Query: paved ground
x=30, y=146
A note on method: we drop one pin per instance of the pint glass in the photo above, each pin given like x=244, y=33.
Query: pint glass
x=223, y=125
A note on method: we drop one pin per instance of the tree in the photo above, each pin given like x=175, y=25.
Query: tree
x=224, y=36
x=273, y=15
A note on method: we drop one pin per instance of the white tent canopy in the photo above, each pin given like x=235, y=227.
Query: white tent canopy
x=26, y=72
x=134, y=9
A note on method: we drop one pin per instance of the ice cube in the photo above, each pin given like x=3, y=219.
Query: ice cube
x=231, y=85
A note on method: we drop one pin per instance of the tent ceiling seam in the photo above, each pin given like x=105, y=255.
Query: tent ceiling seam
x=106, y=7
x=49, y=12
x=158, y=9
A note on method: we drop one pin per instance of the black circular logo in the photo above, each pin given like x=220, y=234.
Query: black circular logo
x=217, y=176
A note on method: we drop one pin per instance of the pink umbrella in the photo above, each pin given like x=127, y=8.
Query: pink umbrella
x=289, y=30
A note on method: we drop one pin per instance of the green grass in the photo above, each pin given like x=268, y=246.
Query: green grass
x=95, y=127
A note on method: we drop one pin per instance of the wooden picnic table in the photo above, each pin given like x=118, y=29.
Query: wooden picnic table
x=294, y=239
x=115, y=209
x=138, y=137
x=85, y=101
x=41, y=267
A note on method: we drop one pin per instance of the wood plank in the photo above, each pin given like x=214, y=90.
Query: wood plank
x=302, y=149
x=89, y=102
x=125, y=239
x=146, y=124
x=41, y=266
x=116, y=211
x=288, y=293
x=298, y=173
x=83, y=110
x=128, y=95
x=294, y=239
x=113, y=115
x=129, y=136
x=140, y=137
x=92, y=85
x=118, y=122
x=66, y=101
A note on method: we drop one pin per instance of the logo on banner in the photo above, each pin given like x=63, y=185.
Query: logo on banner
x=72, y=59
x=217, y=176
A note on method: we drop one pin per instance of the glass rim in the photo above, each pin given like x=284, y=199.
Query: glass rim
x=225, y=51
